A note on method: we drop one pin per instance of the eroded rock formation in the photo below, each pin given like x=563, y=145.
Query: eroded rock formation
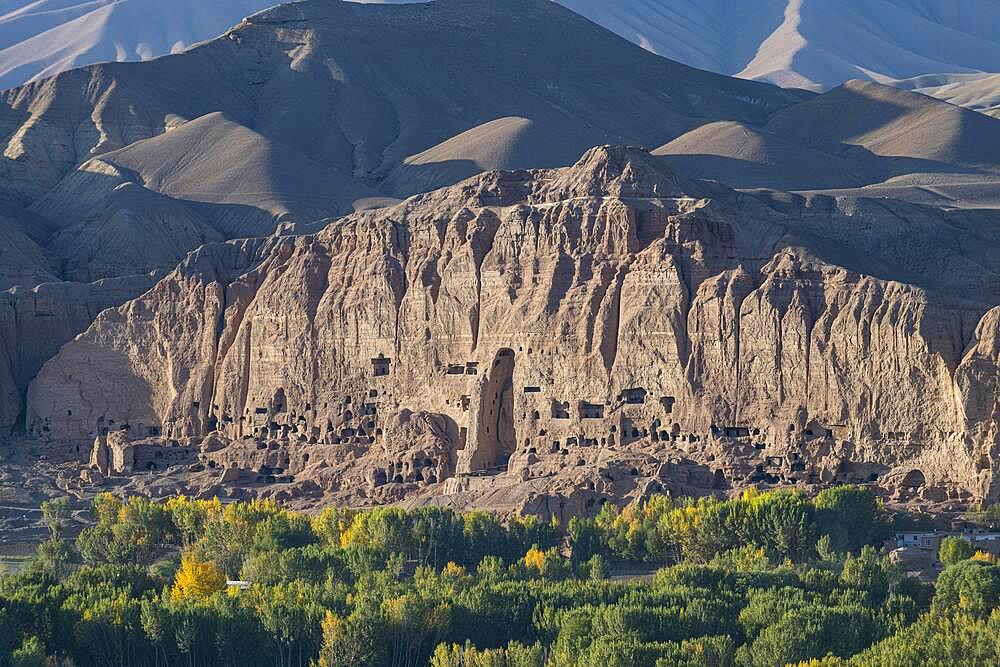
x=34, y=324
x=610, y=316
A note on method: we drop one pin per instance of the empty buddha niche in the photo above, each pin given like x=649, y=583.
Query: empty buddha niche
x=494, y=438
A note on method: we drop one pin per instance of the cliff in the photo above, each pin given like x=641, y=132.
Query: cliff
x=534, y=317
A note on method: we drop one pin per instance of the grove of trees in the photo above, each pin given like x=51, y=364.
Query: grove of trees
x=764, y=579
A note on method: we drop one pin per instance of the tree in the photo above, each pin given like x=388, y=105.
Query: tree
x=155, y=624
x=125, y=532
x=282, y=531
x=954, y=550
x=291, y=614
x=197, y=579
x=512, y=655
x=748, y=558
x=812, y=631
x=584, y=538
x=385, y=529
x=781, y=522
x=534, y=559
x=413, y=625
x=850, y=516
x=347, y=641
x=939, y=639
x=190, y=516
x=53, y=556
x=484, y=536
x=708, y=530
x=596, y=568
x=969, y=586
x=31, y=653
x=491, y=569
x=869, y=573
x=56, y=515
x=437, y=536
x=229, y=535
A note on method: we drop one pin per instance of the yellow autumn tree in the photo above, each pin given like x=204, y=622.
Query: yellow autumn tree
x=534, y=559
x=984, y=556
x=453, y=570
x=197, y=579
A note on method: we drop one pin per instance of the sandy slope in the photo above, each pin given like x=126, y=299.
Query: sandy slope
x=857, y=135
x=40, y=38
x=22, y=261
x=142, y=207
x=505, y=143
x=749, y=157
x=814, y=44
x=819, y=44
x=789, y=42
x=891, y=123
x=974, y=91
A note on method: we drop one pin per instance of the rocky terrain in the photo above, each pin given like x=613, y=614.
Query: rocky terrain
x=558, y=336
x=299, y=114
x=215, y=284
x=34, y=324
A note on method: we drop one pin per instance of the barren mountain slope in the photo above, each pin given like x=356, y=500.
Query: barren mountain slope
x=22, y=261
x=789, y=42
x=892, y=123
x=502, y=143
x=859, y=134
x=973, y=91
x=143, y=207
x=523, y=324
x=41, y=38
x=361, y=87
x=743, y=156
x=302, y=111
x=816, y=44
x=822, y=43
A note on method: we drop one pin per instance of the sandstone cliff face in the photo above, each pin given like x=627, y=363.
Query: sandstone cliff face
x=35, y=323
x=532, y=315
x=300, y=114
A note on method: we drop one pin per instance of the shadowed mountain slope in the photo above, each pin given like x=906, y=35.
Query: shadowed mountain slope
x=859, y=134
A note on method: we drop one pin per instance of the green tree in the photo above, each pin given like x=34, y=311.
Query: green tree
x=782, y=522
x=491, y=570
x=851, y=516
x=31, y=653
x=870, y=573
x=812, y=631
x=485, y=536
x=972, y=587
x=54, y=556
x=282, y=531
x=291, y=614
x=513, y=654
x=155, y=622
x=347, y=641
x=954, y=550
x=56, y=514
x=584, y=538
x=596, y=568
